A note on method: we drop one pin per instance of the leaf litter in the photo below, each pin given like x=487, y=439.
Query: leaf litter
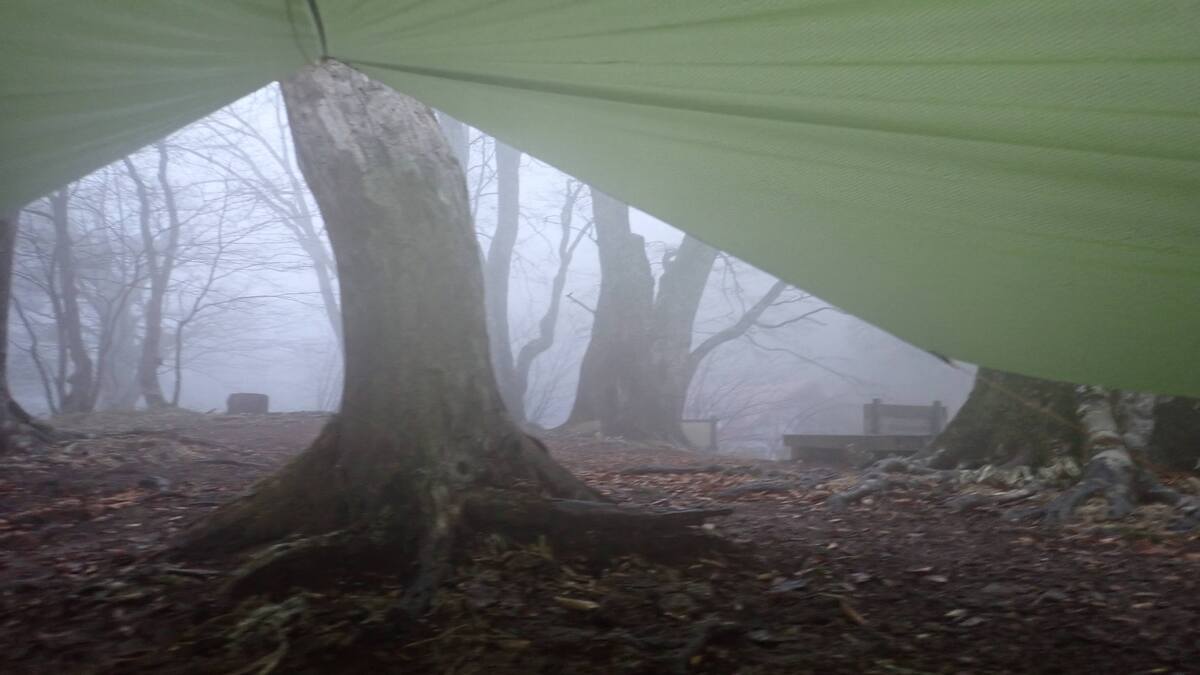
x=902, y=584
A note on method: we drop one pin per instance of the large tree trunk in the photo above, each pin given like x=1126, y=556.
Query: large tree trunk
x=323, y=268
x=616, y=387
x=672, y=366
x=457, y=136
x=422, y=430
x=640, y=362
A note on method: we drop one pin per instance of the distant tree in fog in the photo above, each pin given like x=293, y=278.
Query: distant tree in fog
x=497, y=270
x=79, y=275
x=569, y=240
x=160, y=246
x=641, y=359
x=120, y=273
x=257, y=155
x=17, y=428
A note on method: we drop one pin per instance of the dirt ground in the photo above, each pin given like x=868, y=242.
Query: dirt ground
x=896, y=584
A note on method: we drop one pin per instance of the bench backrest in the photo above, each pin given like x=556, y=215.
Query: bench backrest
x=881, y=418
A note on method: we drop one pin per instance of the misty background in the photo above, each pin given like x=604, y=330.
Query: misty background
x=249, y=299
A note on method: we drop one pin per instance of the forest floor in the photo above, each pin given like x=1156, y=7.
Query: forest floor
x=896, y=584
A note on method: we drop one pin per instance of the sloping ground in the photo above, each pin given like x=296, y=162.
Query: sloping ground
x=896, y=584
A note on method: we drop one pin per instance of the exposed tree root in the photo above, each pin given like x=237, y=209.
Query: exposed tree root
x=552, y=476
x=22, y=431
x=413, y=524
x=975, y=500
x=886, y=474
x=867, y=487
x=1111, y=474
x=595, y=530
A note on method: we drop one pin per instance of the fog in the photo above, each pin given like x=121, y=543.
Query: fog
x=246, y=308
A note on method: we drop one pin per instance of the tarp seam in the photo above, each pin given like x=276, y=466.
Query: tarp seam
x=315, y=11
x=668, y=101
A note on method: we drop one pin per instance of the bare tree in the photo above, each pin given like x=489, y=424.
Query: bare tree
x=77, y=274
x=80, y=396
x=219, y=258
x=17, y=428
x=640, y=361
x=263, y=165
x=497, y=270
x=160, y=264
x=569, y=240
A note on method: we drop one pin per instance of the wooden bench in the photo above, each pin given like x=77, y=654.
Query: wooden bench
x=881, y=418
x=889, y=429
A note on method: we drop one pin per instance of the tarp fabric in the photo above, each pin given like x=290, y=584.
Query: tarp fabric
x=1011, y=183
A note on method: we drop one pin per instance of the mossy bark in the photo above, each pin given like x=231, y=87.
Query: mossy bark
x=1010, y=418
x=1175, y=440
x=1014, y=419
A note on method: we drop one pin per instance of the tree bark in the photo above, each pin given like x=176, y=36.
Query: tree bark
x=1173, y=441
x=680, y=288
x=640, y=361
x=457, y=137
x=615, y=384
x=422, y=425
x=1010, y=418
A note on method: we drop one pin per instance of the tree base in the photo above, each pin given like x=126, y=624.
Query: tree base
x=595, y=531
x=20, y=431
x=319, y=529
x=1111, y=475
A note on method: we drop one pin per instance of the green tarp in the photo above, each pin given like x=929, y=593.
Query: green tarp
x=1012, y=183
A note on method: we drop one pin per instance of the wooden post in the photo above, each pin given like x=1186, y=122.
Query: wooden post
x=871, y=416
x=937, y=420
